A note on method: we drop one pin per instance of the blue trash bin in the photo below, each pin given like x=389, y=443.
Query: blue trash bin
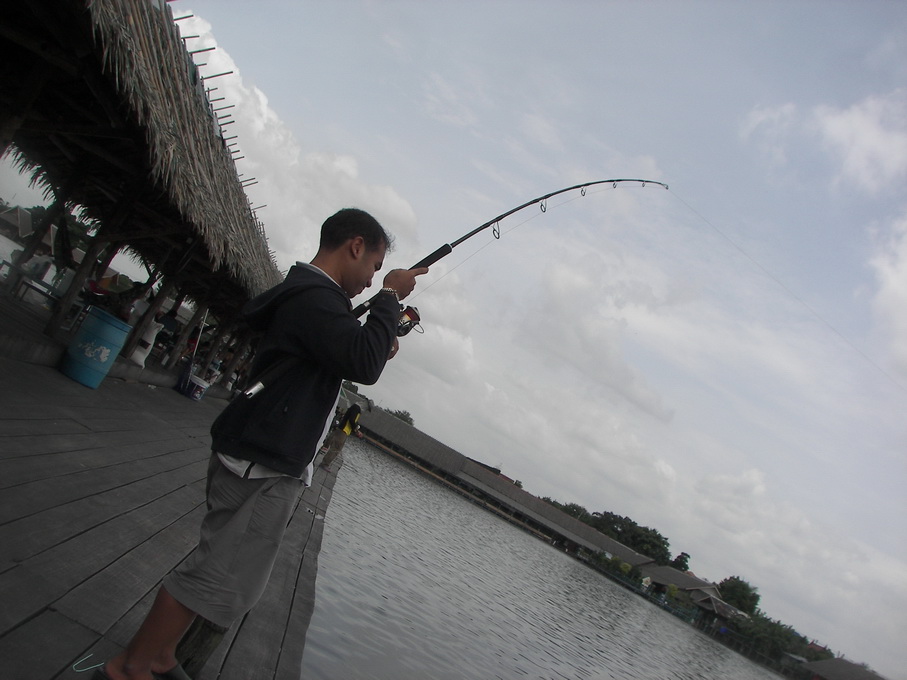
x=95, y=347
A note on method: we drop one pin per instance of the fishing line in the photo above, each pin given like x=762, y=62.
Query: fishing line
x=790, y=292
x=494, y=222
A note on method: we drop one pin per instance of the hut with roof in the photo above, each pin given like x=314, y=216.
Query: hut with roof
x=105, y=107
x=712, y=611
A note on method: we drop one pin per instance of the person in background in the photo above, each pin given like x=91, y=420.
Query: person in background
x=337, y=438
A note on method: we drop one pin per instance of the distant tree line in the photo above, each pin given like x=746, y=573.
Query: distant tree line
x=402, y=415
x=762, y=635
x=644, y=540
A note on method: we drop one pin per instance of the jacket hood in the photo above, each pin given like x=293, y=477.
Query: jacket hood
x=259, y=310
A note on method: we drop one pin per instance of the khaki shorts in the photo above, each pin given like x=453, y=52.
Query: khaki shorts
x=240, y=536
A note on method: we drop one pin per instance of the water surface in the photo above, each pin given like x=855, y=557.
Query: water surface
x=415, y=581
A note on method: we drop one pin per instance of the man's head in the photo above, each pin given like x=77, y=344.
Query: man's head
x=349, y=223
x=352, y=249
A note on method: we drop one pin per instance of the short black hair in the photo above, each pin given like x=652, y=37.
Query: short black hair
x=350, y=223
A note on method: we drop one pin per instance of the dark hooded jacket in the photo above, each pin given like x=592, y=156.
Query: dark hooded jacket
x=307, y=317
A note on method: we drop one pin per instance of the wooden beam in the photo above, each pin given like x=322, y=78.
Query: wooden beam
x=37, y=125
x=153, y=233
x=80, y=49
x=11, y=120
x=115, y=159
x=39, y=47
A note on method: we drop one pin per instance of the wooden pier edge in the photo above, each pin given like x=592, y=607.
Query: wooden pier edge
x=279, y=622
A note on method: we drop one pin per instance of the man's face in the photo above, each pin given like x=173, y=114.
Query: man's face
x=362, y=269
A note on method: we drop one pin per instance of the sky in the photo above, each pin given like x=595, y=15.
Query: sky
x=724, y=361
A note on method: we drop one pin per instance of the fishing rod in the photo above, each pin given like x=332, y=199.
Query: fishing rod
x=410, y=317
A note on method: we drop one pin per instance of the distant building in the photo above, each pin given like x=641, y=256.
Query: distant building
x=839, y=669
x=15, y=222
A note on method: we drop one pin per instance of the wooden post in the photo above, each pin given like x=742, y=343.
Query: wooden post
x=11, y=120
x=180, y=298
x=240, y=347
x=119, y=215
x=82, y=272
x=139, y=331
x=109, y=253
x=198, y=644
x=54, y=211
x=183, y=340
x=216, y=345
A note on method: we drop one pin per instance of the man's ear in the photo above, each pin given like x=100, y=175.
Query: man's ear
x=357, y=247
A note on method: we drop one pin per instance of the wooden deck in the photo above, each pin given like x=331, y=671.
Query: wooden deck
x=101, y=494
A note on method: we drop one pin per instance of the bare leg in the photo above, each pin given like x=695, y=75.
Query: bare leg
x=153, y=647
x=335, y=446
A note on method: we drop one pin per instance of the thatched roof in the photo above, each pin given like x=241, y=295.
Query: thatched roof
x=112, y=111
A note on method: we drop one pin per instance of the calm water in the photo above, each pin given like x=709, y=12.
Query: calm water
x=416, y=582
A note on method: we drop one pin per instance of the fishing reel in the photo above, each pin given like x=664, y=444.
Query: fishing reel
x=409, y=321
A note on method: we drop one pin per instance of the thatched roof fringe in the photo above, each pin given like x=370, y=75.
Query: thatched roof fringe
x=145, y=54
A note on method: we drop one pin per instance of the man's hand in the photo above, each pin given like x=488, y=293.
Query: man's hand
x=403, y=280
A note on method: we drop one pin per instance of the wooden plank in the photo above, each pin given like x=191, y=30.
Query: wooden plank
x=198, y=645
x=122, y=631
x=81, y=666
x=33, y=585
x=29, y=396
x=197, y=431
x=136, y=421
x=136, y=573
x=55, y=443
x=297, y=626
x=33, y=497
x=27, y=655
x=91, y=530
x=42, y=467
x=29, y=536
x=124, y=410
x=19, y=427
x=210, y=667
x=327, y=488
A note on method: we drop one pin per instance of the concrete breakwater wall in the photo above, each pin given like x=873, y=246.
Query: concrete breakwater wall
x=489, y=485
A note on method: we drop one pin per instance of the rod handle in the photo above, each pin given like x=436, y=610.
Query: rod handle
x=429, y=260
x=426, y=261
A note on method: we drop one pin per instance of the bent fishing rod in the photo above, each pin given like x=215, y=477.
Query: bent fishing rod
x=410, y=317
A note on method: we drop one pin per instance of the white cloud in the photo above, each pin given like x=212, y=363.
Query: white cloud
x=869, y=139
x=770, y=127
x=818, y=575
x=445, y=103
x=541, y=131
x=890, y=301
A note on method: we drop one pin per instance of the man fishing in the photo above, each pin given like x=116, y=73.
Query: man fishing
x=263, y=445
